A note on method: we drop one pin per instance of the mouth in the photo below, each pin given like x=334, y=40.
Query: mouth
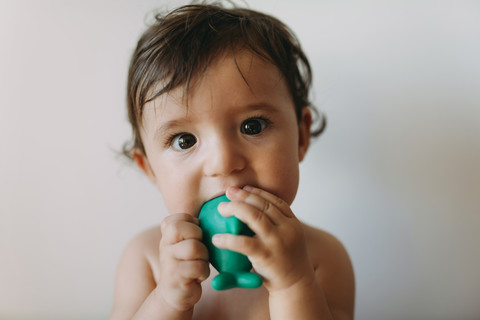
x=224, y=190
x=221, y=192
x=216, y=195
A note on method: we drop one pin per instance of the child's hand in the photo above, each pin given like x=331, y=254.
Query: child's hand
x=278, y=250
x=183, y=262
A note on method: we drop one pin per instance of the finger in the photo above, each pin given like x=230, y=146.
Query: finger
x=193, y=270
x=261, y=204
x=249, y=246
x=183, y=217
x=189, y=249
x=175, y=230
x=277, y=202
x=259, y=222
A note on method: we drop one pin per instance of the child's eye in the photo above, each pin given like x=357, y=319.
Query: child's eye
x=254, y=126
x=183, y=141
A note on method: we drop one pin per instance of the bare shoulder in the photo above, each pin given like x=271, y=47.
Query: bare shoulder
x=333, y=269
x=143, y=249
x=135, y=278
x=324, y=245
x=147, y=242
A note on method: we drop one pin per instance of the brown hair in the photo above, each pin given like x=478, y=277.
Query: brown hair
x=183, y=43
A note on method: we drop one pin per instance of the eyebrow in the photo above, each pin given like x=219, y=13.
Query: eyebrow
x=172, y=124
x=262, y=106
x=166, y=127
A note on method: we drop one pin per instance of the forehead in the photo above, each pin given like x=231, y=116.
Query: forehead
x=233, y=80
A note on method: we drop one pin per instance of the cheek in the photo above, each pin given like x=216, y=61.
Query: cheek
x=286, y=186
x=283, y=174
x=179, y=197
x=179, y=187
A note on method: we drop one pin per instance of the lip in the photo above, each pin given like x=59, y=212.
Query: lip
x=216, y=195
x=222, y=192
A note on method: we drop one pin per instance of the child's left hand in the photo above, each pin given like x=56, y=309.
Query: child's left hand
x=278, y=250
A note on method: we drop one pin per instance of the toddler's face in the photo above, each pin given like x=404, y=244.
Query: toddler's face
x=228, y=133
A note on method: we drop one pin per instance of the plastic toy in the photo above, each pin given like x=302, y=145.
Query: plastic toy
x=233, y=267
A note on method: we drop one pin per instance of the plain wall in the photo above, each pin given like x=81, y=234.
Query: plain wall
x=396, y=175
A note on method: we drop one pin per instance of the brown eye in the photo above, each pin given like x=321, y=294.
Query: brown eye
x=253, y=126
x=184, y=141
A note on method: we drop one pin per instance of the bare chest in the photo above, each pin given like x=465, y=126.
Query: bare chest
x=233, y=304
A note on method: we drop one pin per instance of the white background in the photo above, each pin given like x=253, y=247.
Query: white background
x=396, y=176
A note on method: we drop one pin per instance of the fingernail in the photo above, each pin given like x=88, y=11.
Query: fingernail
x=217, y=239
x=233, y=190
x=248, y=188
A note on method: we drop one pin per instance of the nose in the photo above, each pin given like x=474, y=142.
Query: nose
x=224, y=157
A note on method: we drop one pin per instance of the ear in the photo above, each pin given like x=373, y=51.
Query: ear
x=304, y=132
x=142, y=162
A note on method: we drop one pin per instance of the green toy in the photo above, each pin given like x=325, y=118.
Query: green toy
x=233, y=267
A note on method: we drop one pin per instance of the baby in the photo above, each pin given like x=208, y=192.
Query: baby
x=218, y=102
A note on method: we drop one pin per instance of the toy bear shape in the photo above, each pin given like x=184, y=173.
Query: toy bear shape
x=233, y=267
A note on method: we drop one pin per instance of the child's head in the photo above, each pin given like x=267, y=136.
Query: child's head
x=202, y=70
x=184, y=42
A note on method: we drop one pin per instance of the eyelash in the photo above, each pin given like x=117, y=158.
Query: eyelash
x=267, y=121
x=259, y=117
x=170, y=138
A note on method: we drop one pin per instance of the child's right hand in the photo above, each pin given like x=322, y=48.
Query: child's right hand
x=183, y=262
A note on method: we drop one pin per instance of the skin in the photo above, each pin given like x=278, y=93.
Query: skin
x=236, y=134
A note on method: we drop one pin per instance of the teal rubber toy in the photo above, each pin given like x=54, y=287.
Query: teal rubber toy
x=233, y=267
